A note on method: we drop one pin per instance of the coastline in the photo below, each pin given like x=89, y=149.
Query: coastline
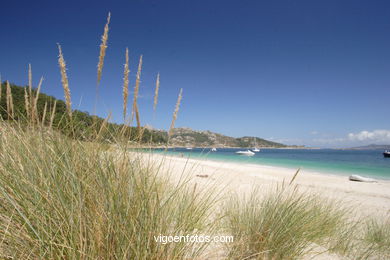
x=151, y=146
x=335, y=166
x=231, y=177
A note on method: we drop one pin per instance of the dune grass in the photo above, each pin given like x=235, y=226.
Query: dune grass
x=375, y=239
x=282, y=224
x=62, y=198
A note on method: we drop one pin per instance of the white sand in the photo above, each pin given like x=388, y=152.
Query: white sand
x=366, y=199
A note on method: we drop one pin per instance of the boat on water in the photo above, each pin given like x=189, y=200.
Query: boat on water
x=386, y=154
x=189, y=148
x=213, y=149
x=255, y=149
x=247, y=152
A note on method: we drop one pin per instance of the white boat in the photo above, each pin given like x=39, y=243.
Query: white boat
x=361, y=178
x=255, y=149
x=247, y=152
x=213, y=149
x=189, y=148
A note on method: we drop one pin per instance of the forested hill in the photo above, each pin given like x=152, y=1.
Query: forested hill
x=193, y=138
x=84, y=122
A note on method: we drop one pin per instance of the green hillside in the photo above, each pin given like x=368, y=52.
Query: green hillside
x=87, y=125
x=193, y=138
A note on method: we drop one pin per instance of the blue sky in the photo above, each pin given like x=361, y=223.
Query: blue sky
x=301, y=72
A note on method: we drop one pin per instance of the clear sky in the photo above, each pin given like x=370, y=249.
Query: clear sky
x=300, y=72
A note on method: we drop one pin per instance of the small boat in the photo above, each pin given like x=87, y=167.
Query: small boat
x=189, y=148
x=247, y=152
x=361, y=178
x=255, y=149
x=213, y=149
x=386, y=154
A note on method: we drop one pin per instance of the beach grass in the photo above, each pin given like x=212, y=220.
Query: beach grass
x=375, y=239
x=62, y=198
x=281, y=224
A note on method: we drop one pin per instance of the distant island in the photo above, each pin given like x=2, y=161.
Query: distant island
x=372, y=147
x=187, y=137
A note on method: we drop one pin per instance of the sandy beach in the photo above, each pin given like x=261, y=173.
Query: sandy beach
x=367, y=199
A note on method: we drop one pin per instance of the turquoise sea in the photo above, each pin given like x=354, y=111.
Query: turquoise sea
x=369, y=163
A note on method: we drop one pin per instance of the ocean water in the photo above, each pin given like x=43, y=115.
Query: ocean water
x=370, y=163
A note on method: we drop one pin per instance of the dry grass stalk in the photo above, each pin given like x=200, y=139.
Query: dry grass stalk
x=64, y=80
x=141, y=133
x=156, y=92
x=103, y=126
x=29, y=99
x=12, y=106
x=30, y=83
x=34, y=110
x=295, y=175
x=136, y=89
x=10, y=103
x=44, y=114
x=53, y=111
x=27, y=102
x=126, y=85
x=175, y=113
x=1, y=87
x=137, y=118
x=103, y=47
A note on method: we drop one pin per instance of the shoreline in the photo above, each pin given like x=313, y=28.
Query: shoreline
x=318, y=170
x=233, y=177
x=228, y=147
x=341, y=175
